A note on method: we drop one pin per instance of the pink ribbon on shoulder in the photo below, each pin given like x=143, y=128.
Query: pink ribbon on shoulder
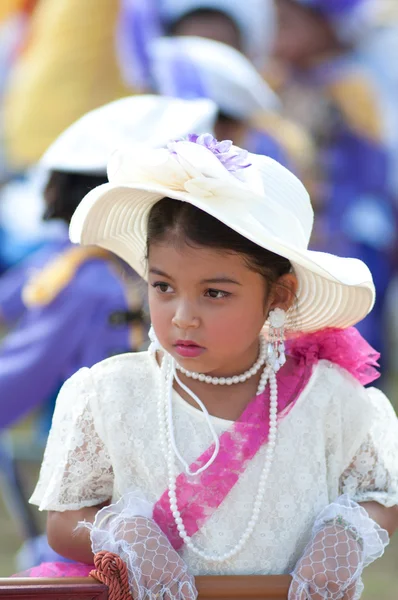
x=198, y=497
x=343, y=347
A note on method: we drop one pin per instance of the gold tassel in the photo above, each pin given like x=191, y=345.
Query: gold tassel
x=47, y=284
x=356, y=97
x=296, y=142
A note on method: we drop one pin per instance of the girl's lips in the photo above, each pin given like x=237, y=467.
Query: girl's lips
x=188, y=350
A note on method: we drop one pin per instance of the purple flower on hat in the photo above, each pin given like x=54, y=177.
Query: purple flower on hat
x=232, y=158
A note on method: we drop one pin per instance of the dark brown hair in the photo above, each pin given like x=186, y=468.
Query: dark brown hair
x=181, y=222
x=64, y=192
x=207, y=15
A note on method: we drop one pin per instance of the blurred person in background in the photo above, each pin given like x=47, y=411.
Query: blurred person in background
x=341, y=51
x=73, y=306
x=248, y=110
x=247, y=27
x=210, y=49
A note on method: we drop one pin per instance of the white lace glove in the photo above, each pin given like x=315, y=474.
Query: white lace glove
x=344, y=541
x=154, y=568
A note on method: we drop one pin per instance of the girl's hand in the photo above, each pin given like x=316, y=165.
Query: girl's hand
x=345, y=540
x=153, y=563
x=155, y=569
x=330, y=568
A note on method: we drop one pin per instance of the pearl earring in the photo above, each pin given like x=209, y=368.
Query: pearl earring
x=276, y=339
x=155, y=344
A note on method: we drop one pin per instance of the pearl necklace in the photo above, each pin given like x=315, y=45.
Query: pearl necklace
x=231, y=380
x=168, y=370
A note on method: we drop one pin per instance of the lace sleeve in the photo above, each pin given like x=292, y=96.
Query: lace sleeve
x=372, y=473
x=76, y=469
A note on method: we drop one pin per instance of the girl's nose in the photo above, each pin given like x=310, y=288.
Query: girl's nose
x=184, y=318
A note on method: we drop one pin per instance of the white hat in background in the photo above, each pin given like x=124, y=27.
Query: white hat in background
x=85, y=147
x=253, y=195
x=195, y=67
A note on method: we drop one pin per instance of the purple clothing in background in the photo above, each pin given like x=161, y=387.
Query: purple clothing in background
x=333, y=8
x=50, y=343
x=261, y=142
x=14, y=279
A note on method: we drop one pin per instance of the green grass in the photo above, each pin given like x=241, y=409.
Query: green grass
x=381, y=578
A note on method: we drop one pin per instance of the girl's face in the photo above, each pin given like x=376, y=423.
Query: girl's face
x=207, y=307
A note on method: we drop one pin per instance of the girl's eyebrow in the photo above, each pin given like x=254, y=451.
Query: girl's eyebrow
x=218, y=279
x=221, y=279
x=154, y=271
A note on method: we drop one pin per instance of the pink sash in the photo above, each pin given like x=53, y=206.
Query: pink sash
x=198, y=497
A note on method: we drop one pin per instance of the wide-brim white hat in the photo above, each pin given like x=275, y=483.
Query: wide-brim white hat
x=195, y=67
x=264, y=202
x=87, y=145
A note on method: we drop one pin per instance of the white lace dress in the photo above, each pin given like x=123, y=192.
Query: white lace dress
x=338, y=438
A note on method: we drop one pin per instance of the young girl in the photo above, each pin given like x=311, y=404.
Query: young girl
x=244, y=441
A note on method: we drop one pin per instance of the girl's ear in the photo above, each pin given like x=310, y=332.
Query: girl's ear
x=284, y=292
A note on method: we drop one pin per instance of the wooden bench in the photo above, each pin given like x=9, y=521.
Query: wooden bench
x=255, y=587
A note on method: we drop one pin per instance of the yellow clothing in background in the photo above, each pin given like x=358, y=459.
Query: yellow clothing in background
x=8, y=8
x=68, y=68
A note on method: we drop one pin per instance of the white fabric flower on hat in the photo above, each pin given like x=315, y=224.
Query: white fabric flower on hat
x=203, y=166
x=143, y=165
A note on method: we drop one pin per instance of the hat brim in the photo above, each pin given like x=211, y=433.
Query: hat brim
x=332, y=292
x=87, y=145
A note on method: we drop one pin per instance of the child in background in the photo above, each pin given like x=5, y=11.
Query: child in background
x=214, y=49
x=243, y=441
x=249, y=112
x=248, y=27
x=339, y=51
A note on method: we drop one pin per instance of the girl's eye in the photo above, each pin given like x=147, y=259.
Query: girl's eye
x=217, y=294
x=162, y=287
